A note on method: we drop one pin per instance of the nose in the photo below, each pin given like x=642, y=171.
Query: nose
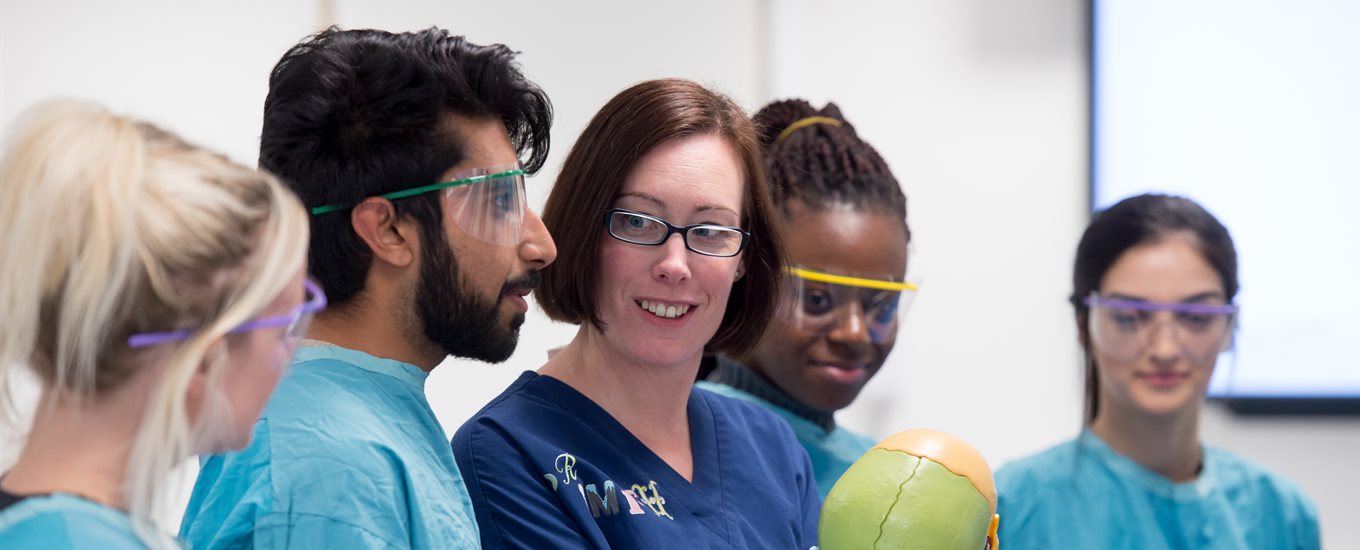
x=851, y=327
x=1163, y=343
x=536, y=247
x=674, y=264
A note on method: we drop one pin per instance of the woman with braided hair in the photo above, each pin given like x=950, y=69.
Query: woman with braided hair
x=844, y=222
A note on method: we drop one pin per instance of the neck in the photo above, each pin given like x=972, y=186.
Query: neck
x=361, y=324
x=1168, y=445
x=740, y=376
x=79, y=448
x=651, y=401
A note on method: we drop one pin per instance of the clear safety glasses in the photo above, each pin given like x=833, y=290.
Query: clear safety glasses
x=296, y=322
x=1124, y=329
x=706, y=239
x=821, y=302
x=486, y=203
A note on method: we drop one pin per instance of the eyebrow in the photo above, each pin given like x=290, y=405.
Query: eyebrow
x=1192, y=299
x=662, y=204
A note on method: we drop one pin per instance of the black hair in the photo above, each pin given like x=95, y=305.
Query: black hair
x=1132, y=222
x=821, y=164
x=356, y=113
x=824, y=163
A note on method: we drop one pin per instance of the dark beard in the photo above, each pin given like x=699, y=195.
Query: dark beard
x=456, y=319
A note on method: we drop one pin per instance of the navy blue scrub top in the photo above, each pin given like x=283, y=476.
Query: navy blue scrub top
x=548, y=468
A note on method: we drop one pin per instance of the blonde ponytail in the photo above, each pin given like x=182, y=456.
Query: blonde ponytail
x=60, y=214
x=113, y=227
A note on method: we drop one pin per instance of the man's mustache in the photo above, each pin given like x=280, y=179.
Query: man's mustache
x=528, y=282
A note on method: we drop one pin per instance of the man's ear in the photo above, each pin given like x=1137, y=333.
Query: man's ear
x=392, y=241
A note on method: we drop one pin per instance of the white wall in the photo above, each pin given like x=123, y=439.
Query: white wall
x=980, y=116
x=978, y=106
x=201, y=69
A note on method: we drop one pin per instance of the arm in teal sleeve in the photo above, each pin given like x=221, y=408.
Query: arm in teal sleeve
x=1308, y=533
x=1019, y=515
x=246, y=527
x=305, y=531
x=241, y=500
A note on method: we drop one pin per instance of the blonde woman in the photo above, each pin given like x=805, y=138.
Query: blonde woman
x=155, y=290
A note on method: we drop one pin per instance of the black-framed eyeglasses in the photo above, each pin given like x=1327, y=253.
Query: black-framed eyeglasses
x=704, y=238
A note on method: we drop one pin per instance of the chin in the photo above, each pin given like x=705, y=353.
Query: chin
x=243, y=442
x=1166, y=406
x=234, y=443
x=834, y=404
x=648, y=348
x=828, y=395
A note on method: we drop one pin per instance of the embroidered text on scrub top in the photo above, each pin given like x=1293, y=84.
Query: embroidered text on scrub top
x=606, y=501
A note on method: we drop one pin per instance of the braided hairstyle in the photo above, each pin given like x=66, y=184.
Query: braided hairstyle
x=824, y=163
x=821, y=163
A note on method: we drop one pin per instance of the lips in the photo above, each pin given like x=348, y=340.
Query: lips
x=516, y=289
x=1163, y=379
x=843, y=373
x=522, y=286
x=664, y=310
x=843, y=365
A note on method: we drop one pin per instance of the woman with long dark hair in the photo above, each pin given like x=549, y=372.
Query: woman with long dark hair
x=1153, y=291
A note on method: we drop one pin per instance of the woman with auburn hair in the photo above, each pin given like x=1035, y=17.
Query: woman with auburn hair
x=155, y=290
x=666, y=248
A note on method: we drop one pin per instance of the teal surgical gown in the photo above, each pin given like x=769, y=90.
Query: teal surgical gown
x=347, y=454
x=832, y=452
x=66, y=522
x=1082, y=494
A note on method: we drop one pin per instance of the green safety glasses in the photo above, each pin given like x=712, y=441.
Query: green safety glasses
x=486, y=203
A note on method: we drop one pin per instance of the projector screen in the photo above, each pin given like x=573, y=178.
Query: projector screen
x=1253, y=110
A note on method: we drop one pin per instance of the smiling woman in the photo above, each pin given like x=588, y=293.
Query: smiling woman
x=844, y=217
x=666, y=249
x=1153, y=291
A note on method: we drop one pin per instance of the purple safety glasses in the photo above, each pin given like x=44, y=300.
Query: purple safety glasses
x=296, y=321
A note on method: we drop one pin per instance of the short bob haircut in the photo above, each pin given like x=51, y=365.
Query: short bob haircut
x=635, y=122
